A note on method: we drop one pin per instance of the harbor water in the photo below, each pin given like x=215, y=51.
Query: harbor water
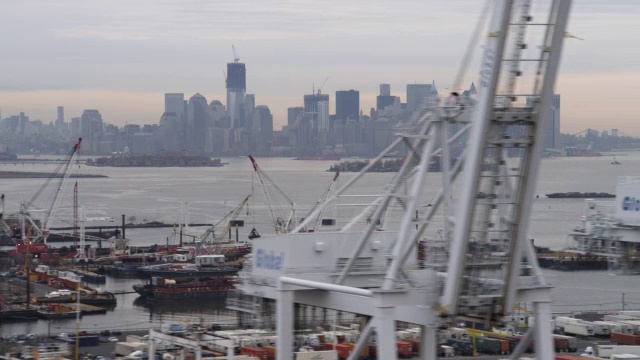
x=205, y=195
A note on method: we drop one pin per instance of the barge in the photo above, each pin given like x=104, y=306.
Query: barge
x=161, y=289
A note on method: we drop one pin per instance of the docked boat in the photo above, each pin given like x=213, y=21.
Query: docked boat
x=161, y=289
x=99, y=298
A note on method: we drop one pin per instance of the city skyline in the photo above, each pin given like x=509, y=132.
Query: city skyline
x=123, y=61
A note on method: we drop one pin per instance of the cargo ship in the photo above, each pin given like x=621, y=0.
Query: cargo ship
x=581, y=195
x=161, y=289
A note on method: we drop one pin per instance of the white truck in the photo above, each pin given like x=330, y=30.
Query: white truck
x=606, y=351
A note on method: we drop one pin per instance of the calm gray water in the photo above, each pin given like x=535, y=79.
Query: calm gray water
x=156, y=193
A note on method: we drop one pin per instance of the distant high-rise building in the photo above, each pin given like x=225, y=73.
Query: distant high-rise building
x=91, y=129
x=174, y=103
x=316, y=108
x=168, y=135
x=552, y=125
x=218, y=115
x=385, y=99
x=60, y=118
x=74, y=126
x=347, y=105
x=294, y=114
x=263, y=118
x=385, y=90
x=198, y=119
x=236, y=90
x=249, y=106
x=419, y=94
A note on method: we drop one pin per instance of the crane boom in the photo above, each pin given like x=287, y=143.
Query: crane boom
x=322, y=200
x=64, y=168
x=281, y=208
x=233, y=215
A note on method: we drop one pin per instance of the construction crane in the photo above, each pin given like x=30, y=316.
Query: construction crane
x=323, y=198
x=281, y=208
x=236, y=58
x=230, y=218
x=63, y=172
x=489, y=264
x=313, y=91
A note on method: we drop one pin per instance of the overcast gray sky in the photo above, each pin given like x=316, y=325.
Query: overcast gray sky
x=120, y=56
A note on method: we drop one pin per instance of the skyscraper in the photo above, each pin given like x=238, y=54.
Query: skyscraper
x=263, y=121
x=174, y=103
x=60, y=118
x=198, y=119
x=419, y=94
x=91, y=129
x=552, y=128
x=347, y=105
x=385, y=90
x=385, y=99
x=316, y=108
x=236, y=89
x=552, y=124
x=249, y=106
x=294, y=114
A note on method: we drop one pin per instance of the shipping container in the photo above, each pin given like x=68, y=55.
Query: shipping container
x=486, y=345
x=126, y=348
x=344, y=350
x=624, y=357
x=560, y=344
x=572, y=342
x=255, y=352
x=446, y=351
x=605, y=351
x=89, y=340
x=404, y=348
x=316, y=355
x=463, y=348
x=271, y=352
x=625, y=339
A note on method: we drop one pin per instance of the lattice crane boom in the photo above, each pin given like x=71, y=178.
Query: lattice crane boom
x=229, y=218
x=281, y=207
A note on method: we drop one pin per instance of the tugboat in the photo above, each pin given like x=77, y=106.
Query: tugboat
x=161, y=289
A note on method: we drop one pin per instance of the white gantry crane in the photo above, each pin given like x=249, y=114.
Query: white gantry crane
x=473, y=222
